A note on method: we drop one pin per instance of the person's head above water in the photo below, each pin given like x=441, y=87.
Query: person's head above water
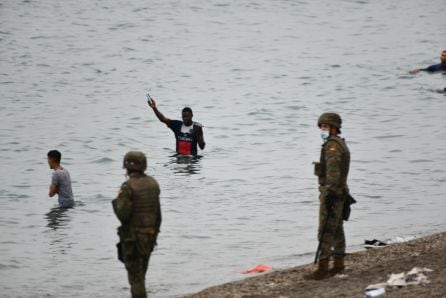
x=443, y=57
x=54, y=158
x=186, y=115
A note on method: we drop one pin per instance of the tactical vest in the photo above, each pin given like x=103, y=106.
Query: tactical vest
x=145, y=202
x=345, y=161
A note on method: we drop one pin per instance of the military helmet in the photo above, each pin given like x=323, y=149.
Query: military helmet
x=332, y=119
x=135, y=161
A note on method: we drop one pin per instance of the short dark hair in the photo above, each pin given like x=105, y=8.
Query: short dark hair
x=54, y=155
x=187, y=109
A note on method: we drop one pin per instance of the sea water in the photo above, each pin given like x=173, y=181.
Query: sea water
x=257, y=74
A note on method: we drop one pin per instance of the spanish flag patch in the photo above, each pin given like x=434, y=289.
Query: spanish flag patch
x=332, y=149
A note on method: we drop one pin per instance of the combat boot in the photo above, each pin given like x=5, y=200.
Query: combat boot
x=321, y=272
x=338, y=265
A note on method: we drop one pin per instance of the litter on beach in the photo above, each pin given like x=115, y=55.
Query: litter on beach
x=402, y=239
x=257, y=269
x=374, y=243
x=413, y=277
x=375, y=293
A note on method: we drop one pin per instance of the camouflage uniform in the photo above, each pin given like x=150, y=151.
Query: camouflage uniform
x=334, y=166
x=332, y=170
x=137, y=207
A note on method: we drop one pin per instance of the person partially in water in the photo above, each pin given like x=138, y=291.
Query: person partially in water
x=188, y=134
x=60, y=181
x=434, y=68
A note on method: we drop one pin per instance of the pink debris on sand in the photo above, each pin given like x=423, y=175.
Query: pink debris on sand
x=258, y=269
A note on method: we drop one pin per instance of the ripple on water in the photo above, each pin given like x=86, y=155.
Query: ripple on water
x=5, y=267
x=103, y=160
x=422, y=161
x=7, y=222
x=389, y=136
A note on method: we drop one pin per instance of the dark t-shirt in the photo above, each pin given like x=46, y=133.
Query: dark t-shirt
x=186, y=136
x=436, y=68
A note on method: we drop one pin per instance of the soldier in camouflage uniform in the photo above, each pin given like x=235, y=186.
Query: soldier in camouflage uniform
x=332, y=171
x=138, y=209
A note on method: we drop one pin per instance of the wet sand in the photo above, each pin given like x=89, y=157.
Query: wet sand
x=362, y=269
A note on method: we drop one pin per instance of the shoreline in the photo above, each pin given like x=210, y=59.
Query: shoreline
x=363, y=268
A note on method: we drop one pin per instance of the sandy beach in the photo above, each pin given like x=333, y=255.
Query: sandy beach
x=363, y=268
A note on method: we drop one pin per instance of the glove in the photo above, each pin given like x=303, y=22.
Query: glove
x=330, y=200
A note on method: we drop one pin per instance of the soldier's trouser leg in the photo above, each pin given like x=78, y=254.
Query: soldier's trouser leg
x=136, y=259
x=339, y=240
x=136, y=276
x=334, y=227
x=145, y=245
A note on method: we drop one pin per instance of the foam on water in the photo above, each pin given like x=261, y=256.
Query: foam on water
x=73, y=76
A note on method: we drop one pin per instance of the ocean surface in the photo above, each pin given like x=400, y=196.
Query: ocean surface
x=73, y=77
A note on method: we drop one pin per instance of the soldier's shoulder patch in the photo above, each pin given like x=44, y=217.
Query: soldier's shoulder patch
x=333, y=149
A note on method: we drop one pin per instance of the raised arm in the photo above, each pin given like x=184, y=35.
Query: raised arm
x=158, y=114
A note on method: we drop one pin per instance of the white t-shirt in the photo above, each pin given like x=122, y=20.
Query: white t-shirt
x=187, y=129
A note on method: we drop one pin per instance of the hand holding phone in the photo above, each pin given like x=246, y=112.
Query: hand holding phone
x=150, y=101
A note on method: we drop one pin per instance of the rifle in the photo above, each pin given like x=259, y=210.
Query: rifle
x=329, y=205
x=119, y=249
x=347, y=209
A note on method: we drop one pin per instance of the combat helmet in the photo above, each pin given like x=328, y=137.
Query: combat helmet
x=135, y=161
x=332, y=119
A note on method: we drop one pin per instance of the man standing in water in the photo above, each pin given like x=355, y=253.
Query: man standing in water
x=138, y=209
x=332, y=171
x=187, y=133
x=60, y=181
x=434, y=68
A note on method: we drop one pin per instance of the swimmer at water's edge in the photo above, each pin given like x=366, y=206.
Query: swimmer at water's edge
x=434, y=68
